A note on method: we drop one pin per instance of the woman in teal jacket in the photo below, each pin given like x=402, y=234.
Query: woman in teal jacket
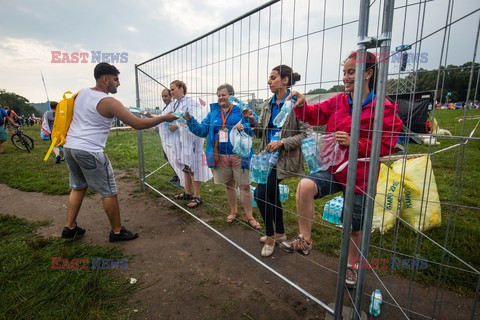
x=227, y=166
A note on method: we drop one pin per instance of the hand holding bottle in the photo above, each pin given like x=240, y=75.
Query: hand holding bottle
x=187, y=116
x=300, y=98
x=169, y=117
x=248, y=113
x=274, y=145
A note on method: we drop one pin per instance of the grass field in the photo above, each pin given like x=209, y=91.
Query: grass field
x=31, y=289
x=456, y=172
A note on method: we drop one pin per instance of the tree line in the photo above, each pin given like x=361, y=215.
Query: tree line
x=19, y=104
x=453, y=79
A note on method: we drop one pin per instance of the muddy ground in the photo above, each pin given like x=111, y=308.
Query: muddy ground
x=186, y=271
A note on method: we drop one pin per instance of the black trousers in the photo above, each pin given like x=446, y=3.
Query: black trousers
x=267, y=197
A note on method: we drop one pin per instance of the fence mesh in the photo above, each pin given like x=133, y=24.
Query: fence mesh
x=423, y=251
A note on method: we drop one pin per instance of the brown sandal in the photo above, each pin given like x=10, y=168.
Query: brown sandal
x=255, y=225
x=231, y=217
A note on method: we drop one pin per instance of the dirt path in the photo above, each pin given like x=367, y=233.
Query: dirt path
x=186, y=271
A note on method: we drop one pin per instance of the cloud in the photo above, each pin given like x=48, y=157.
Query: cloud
x=131, y=29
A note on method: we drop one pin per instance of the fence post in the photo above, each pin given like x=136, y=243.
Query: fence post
x=353, y=154
x=141, y=161
x=384, y=42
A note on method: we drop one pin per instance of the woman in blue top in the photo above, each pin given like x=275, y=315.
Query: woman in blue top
x=290, y=158
x=228, y=167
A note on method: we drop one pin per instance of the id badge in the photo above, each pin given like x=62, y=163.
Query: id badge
x=223, y=136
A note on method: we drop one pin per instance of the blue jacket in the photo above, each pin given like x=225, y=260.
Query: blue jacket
x=206, y=129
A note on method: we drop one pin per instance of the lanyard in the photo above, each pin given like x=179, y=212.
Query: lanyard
x=166, y=106
x=177, y=104
x=224, y=118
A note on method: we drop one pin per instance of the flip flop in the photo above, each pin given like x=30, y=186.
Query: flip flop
x=231, y=217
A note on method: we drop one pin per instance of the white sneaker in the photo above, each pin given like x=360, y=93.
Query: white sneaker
x=267, y=250
x=277, y=240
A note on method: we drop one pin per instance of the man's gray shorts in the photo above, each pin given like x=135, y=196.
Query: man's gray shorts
x=90, y=169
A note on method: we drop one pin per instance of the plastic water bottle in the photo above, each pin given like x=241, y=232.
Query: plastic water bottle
x=375, y=302
x=284, y=191
x=252, y=190
x=254, y=168
x=254, y=203
x=337, y=212
x=239, y=103
x=179, y=114
x=264, y=169
x=340, y=208
x=326, y=212
x=245, y=147
x=165, y=126
x=309, y=149
x=284, y=112
x=273, y=157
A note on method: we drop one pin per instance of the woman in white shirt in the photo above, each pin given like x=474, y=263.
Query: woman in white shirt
x=189, y=149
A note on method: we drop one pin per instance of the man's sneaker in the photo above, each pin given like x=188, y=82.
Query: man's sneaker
x=68, y=233
x=57, y=159
x=297, y=244
x=124, y=235
x=351, y=277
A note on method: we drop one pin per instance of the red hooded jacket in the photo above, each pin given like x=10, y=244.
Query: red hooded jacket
x=335, y=113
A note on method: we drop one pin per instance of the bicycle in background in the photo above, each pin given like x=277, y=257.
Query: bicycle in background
x=20, y=139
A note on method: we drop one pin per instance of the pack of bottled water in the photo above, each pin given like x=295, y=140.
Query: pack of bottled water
x=284, y=191
x=310, y=151
x=282, y=116
x=237, y=102
x=332, y=211
x=259, y=168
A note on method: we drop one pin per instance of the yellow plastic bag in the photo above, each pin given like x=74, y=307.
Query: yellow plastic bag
x=419, y=184
x=386, y=200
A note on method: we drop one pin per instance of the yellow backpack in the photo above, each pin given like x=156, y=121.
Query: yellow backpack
x=63, y=118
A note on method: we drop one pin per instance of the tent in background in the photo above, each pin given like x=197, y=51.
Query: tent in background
x=413, y=109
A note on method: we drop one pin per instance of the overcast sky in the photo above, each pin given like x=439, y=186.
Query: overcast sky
x=30, y=30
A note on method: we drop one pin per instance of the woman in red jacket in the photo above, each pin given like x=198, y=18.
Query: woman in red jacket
x=336, y=114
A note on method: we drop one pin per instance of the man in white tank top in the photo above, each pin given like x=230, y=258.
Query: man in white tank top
x=88, y=165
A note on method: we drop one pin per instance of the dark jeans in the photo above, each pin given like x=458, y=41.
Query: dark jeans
x=267, y=197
